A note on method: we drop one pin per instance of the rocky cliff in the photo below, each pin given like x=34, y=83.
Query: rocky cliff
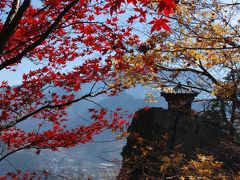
x=156, y=133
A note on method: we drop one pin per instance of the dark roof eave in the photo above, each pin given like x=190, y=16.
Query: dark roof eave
x=179, y=94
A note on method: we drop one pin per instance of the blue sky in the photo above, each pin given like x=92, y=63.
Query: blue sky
x=14, y=78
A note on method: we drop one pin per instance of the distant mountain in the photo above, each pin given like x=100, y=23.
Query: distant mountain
x=83, y=158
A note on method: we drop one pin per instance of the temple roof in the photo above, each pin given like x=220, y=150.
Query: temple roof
x=179, y=89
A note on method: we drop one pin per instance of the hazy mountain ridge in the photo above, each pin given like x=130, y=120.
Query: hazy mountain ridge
x=83, y=157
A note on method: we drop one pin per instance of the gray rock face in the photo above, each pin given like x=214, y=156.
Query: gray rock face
x=156, y=131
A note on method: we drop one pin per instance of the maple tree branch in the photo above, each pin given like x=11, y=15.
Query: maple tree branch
x=14, y=151
x=200, y=48
x=12, y=13
x=35, y=37
x=20, y=45
x=179, y=69
x=12, y=22
x=43, y=37
x=232, y=4
x=32, y=145
x=89, y=100
x=225, y=21
x=80, y=22
x=191, y=86
x=40, y=10
x=48, y=106
x=206, y=73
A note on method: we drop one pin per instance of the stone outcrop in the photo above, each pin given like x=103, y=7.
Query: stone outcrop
x=156, y=131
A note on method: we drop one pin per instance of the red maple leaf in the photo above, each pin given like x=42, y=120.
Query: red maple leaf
x=158, y=24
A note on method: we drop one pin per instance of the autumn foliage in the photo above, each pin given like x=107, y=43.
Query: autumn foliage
x=201, y=52
x=70, y=43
